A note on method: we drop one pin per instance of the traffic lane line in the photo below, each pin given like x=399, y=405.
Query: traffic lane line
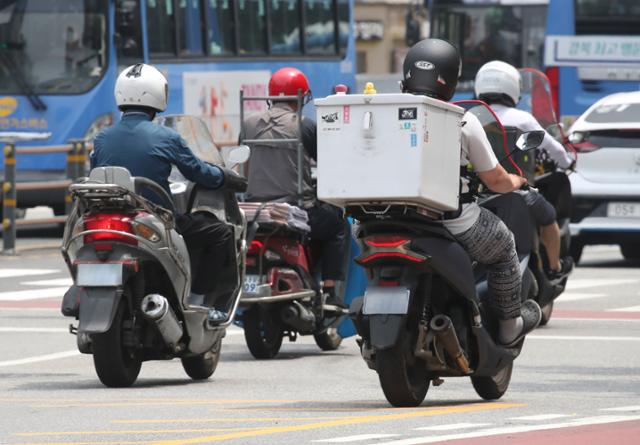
x=594, y=315
x=580, y=337
x=34, y=304
x=618, y=433
x=40, y=358
x=507, y=435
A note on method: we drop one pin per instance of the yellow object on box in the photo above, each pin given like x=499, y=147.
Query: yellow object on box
x=369, y=88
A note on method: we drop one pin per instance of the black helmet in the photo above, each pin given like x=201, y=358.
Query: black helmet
x=432, y=67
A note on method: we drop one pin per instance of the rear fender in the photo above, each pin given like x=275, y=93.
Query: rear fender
x=385, y=330
x=98, y=306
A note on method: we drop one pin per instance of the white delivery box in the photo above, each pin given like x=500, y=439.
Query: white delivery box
x=388, y=148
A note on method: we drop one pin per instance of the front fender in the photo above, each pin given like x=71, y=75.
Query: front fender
x=98, y=306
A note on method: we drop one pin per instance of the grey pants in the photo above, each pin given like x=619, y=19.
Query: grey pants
x=491, y=243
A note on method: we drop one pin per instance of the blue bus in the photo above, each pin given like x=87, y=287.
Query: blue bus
x=59, y=60
x=485, y=30
x=592, y=50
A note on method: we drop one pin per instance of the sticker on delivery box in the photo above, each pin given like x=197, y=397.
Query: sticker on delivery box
x=414, y=140
x=346, y=114
x=407, y=114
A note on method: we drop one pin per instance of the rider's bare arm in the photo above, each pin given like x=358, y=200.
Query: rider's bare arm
x=499, y=181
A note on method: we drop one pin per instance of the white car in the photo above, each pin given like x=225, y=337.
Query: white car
x=606, y=183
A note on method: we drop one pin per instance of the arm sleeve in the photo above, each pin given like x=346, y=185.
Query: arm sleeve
x=97, y=146
x=310, y=138
x=192, y=168
x=475, y=142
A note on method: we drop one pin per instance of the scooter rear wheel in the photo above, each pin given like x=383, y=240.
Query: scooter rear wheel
x=494, y=387
x=547, y=310
x=115, y=364
x=201, y=367
x=404, y=384
x=329, y=340
x=262, y=332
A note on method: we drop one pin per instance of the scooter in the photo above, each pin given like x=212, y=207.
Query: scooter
x=422, y=317
x=131, y=268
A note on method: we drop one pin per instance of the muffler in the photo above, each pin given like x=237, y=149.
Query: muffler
x=298, y=317
x=156, y=308
x=442, y=328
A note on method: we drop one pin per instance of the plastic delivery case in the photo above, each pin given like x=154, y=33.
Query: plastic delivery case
x=389, y=149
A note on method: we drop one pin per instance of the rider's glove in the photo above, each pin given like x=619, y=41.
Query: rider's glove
x=233, y=181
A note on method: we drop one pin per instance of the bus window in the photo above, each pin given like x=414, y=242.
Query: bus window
x=252, y=25
x=319, y=27
x=190, y=29
x=128, y=35
x=52, y=46
x=220, y=34
x=161, y=28
x=607, y=17
x=285, y=27
x=343, y=25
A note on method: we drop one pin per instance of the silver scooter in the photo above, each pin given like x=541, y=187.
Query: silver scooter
x=131, y=268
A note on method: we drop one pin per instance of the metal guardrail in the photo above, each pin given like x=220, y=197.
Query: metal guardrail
x=76, y=151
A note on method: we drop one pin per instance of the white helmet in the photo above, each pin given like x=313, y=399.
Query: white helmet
x=496, y=78
x=143, y=86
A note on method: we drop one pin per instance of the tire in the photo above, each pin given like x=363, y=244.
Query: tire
x=329, y=340
x=575, y=250
x=403, y=384
x=630, y=251
x=262, y=332
x=547, y=310
x=494, y=387
x=116, y=366
x=201, y=367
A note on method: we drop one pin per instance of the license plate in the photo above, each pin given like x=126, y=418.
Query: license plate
x=99, y=275
x=251, y=283
x=386, y=300
x=623, y=209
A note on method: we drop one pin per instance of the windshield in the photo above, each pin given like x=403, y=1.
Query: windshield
x=52, y=46
x=514, y=34
x=196, y=134
x=536, y=97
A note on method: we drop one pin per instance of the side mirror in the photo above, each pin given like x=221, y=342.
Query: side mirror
x=530, y=140
x=235, y=155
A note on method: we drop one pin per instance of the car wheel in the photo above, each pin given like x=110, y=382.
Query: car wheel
x=630, y=251
x=575, y=250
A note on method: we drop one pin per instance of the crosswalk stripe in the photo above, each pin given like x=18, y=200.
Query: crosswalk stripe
x=34, y=330
x=356, y=438
x=581, y=337
x=451, y=426
x=626, y=309
x=541, y=417
x=53, y=282
x=623, y=408
x=40, y=358
x=571, y=296
x=33, y=294
x=10, y=273
x=585, y=283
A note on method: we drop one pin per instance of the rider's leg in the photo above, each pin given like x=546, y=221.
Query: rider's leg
x=550, y=237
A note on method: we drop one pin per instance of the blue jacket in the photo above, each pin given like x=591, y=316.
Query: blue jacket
x=149, y=150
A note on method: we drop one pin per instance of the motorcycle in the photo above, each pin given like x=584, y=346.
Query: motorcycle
x=422, y=316
x=281, y=296
x=131, y=268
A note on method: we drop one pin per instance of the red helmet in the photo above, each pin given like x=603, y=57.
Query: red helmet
x=287, y=81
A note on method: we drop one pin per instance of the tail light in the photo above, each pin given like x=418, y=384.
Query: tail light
x=553, y=73
x=392, y=247
x=581, y=143
x=109, y=221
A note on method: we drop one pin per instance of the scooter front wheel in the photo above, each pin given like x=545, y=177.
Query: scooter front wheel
x=493, y=387
x=404, y=384
x=262, y=332
x=201, y=367
x=116, y=365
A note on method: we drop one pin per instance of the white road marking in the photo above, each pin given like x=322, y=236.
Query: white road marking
x=52, y=282
x=586, y=283
x=626, y=309
x=33, y=294
x=34, y=330
x=356, y=438
x=581, y=337
x=623, y=408
x=599, y=420
x=541, y=417
x=569, y=296
x=9, y=273
x=40, y=358
x=451, y=426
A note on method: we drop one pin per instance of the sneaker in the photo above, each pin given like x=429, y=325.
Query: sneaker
x=566, y=266
x=333, y=299
x=215, y=316
x=531, y=315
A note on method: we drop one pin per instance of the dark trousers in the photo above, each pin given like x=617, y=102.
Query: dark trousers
x=330, y=233
x=208, y=241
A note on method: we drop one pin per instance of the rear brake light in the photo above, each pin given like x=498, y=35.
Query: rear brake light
x=386, y=241
x=391, y=255
x=585, y=147
x=117, y=222
x=553, y=73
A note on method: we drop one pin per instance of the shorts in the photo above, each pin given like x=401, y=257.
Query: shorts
x=542, y=211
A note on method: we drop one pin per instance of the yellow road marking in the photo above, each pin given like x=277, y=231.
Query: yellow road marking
x=341, y=422
x=225, y=419
x=115, y=432
x=159, y=402
x=327, y=409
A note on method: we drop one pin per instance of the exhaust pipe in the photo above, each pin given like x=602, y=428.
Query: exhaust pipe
x=442, y=327
x=156, y=308
x=298, y=317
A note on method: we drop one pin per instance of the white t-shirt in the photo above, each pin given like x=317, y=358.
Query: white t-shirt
x=523, y=121
x=477, y=151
